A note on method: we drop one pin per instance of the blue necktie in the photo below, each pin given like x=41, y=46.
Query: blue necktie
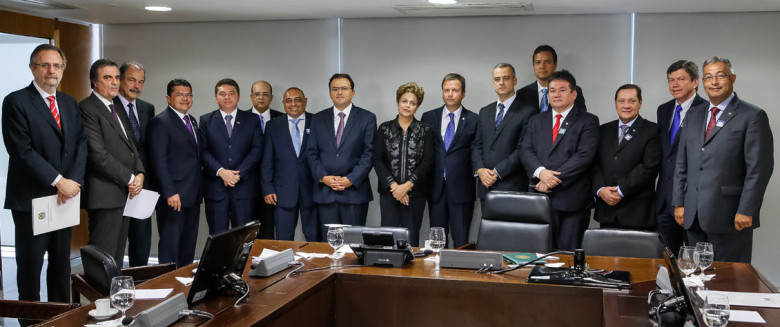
x=296, y=136
x=500, y=114
x=544, y=105
x=229, y=127
x=262, y=123
x=134, y=125
x=449, y=133
x=675, y=124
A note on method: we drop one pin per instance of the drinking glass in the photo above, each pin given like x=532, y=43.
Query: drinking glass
x=438, y=240
x=686, y=260
x=704, y=255
x=335, y=239
x=716, y=310
x=122, y=293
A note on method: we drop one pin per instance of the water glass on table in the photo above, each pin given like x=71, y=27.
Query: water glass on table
x=686, y=260
x=438, y=240
x=704, y=256
x=716, y=310
x=336, y=240
x=122, y=293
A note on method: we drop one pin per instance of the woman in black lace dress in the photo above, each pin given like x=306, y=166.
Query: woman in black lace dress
x=403, y=159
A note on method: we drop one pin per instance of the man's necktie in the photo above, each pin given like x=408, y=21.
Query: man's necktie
x=296, y=136
x=449, y=133
x=675, y=124
x=189, y=127
x=134, y=125
x=340, y=130
x=623, y=131
x=544, y=105
x=113, y=113
x=53, y=109
x=500, y=114
x=557, y=126
x=262, y=123
x=711, y=124
x=229, y=127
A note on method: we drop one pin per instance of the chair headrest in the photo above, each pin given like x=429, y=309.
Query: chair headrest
x=534, y=208
x=99, y=268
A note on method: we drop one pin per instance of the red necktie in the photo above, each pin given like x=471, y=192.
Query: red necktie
x=557, y=126
x=53, y=109
x=711, y=124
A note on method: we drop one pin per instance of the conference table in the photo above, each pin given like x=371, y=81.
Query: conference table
x=423, y=294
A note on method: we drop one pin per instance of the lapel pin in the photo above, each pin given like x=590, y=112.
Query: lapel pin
x=628, y=137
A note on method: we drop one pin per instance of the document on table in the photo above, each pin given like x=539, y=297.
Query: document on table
x=764, y=300
x=141, y=205
x=151, y=294
x=48, y=216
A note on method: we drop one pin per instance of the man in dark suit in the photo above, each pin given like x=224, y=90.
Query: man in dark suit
x=340, y=152
x=47, y=152
x=262, y=95
x=683, y=79
x=286, y=176
x=453, y=191
x=545, y=61
x=231, y=148
x=114, y=165
x=558, y=151
x=139, y=112
x=175, y=161
x=495, y=153
x=626, y=165
x=724, y=164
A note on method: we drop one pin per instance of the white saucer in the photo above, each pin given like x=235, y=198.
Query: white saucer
x=111, y=313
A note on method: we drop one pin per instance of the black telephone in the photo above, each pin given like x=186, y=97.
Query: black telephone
x=379, y=249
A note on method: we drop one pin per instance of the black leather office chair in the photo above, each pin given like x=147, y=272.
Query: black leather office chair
x=622, y=243
x=100, y=268
x=515, y=221
x=354, y=234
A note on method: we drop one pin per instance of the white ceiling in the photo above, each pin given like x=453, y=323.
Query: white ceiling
x=131, y=11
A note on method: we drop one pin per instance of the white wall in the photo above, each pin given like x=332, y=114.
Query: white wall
x=381, y=54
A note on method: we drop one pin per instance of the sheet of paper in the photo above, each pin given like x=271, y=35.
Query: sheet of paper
x=185, y=280
x=151, y=294
x=48, y=216
x=142, y=205
x=693, y=281
x=763, y=300
x=308, y=255
x=746, y=316
x=345, y=249
x=265, y=254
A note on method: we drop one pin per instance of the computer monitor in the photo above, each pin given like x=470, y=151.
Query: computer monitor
x=679, y=285
x=225, y=253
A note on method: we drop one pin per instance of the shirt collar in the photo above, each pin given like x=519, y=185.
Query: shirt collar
x=446, y=112
x=346, y=111
x=102, y=99
x=687, y=103
x=620, y=122
x=300, y=118
x=43, y=93
x=508, y=102
x=539, y=87
x=178, y=113
x=563, y=114
x=722, y=106
x=224, y=114
x=124, y=101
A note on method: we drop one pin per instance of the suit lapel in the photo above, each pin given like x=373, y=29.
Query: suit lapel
x=219, y=124
x=546, y=135
x=351, y=123
x=182, y=127
x=104, y=111
x=508, y=115
x=632, y=132
x=329, y=126
x=490, y=132
x=725, y=117
x=305, y=134
x=459, y=129
x=436, y=126
x=43, y=108
x=567, y=123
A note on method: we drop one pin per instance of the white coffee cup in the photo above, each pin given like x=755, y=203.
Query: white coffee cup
x=102, y=306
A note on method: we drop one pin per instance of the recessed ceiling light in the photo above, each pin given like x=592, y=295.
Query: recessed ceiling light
x=157, y=8
x=442, y=2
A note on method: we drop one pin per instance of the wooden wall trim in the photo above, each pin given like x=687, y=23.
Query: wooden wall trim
x=27, y=25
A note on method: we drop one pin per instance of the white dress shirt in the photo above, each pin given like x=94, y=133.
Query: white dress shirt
x=445, y=119
x=336, y=117
x=563, y=118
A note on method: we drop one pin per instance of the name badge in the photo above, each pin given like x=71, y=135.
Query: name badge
x=307, y=131
x=561, y=131
x=719, y=123
x=627, y=137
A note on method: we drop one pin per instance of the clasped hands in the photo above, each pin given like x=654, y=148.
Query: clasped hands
x=135, y=187
x=229, y=177
x=66, y=189
x=548, y=179
x=401, y=192
x=487, y=177
x=610, y=195
x=337, y=183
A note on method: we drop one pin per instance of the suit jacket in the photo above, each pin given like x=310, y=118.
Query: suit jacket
x=284, y=173
x=728, y=172
x=663, y=194
x=174, y=157
x=571, y=155
x=145, y=113
x=352, y=158
x=632, y=166
x=112, y=156
x=499, y=149
x=530, y=95
x=456, y=160
x=241, y=151
x=258, y=170
x=38, y=149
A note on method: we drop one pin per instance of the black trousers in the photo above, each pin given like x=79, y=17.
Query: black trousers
x=569, y=228
x=395, y=214
x=353, y=214
x=139, y=241
x=108, y=231
x=673, y=234
x=29, y=260
x=178, y=233
x=453, y=216
x=264, y=213
x=287, y=220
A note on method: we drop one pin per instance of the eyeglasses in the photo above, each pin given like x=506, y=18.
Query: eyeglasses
x=719, y=76
x=185, y=95
x=261, y=95
x=342, y=89
x=47, y=65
